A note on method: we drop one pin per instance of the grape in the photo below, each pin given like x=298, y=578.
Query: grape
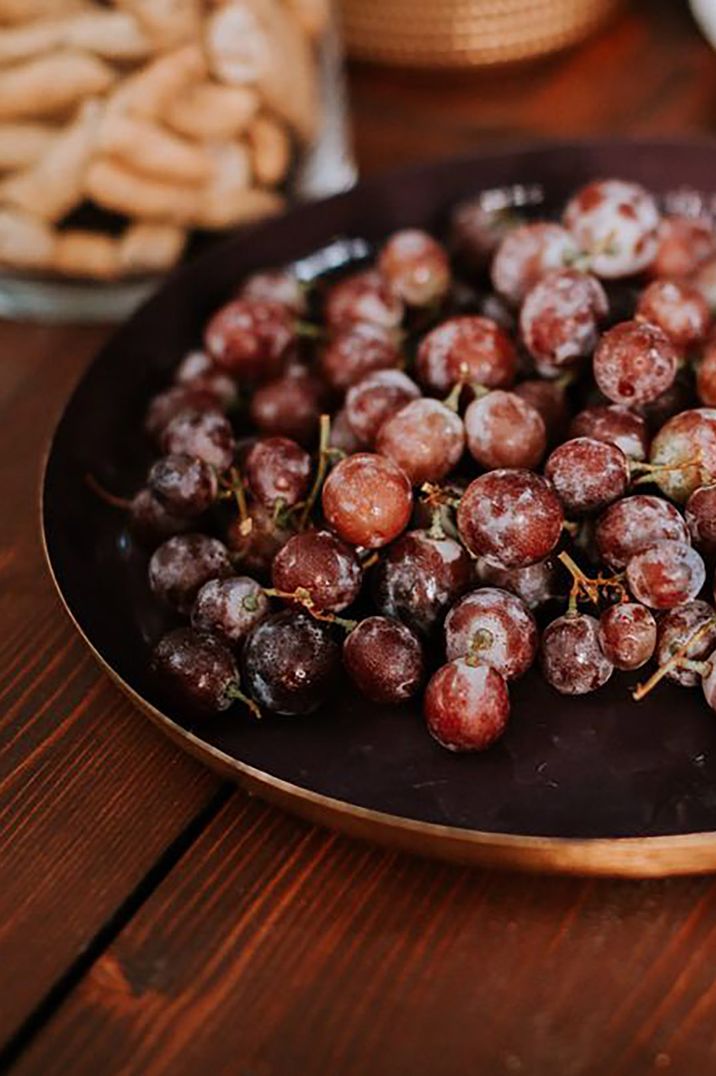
x=627, y=635
x=536, y=584
x=526, y=253
x=367, y=500
x=198, y=372
x=149, y=521
x=704, y=280
x=678, y=309
x=257, y=547
x=356, y=351
x=706, y=375
x=466, y=706
x=288, y=406
x=374, y=399
x=676, y=398
x=635, y=363
x=559, y=319
x=676, y=628
x=415, y=266
x=616, y=223
x=617, y=426
x=477, y=230
x=184, y=485
x=289, y=662
x=197, y=668
x=494, y=627
x=166, y=405
x=278, y=471
x=250, y=338
x=419, y=578
x=342, y=436
x=322, y=565
x=230, y=607
x=684, y=243
x=587, y=474
x=686, y=445
x=180, y=566
x=513, y=517
x=425, y=438
x=633, y=524
x=503, y=430
x=207, y=435
x=276, y=286
x=573, y=661
x=384, y=659
x=550, y=400
x=362, y=297
x=665, y=574
x=700, y=513
x=470, y=348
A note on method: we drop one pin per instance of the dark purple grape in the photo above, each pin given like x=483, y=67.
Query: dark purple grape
x=208, y=435
x=700, y=513
x=289, y=662
x=251, y=338
x=199, y=372
x=384, y=659
x=419, y=578
x=258, y=541
x=197, y=668
x=230, y=607
x=276, y=286
x=180, y=567
x=185, y=485
x=322, y=565
x=288, y=406
x=171, y=402
x=149, y=521
x=355, y=351
x=363, y=297
x=278, y=471
x=573, y=661
x=676, y=627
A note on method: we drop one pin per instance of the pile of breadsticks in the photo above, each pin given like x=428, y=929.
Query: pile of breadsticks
x=175, y=114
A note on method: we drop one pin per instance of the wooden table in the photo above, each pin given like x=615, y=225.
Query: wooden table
x=155, y=920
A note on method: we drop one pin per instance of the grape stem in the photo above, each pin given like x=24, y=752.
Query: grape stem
x=645, y=471
x=586, y=586
x=104, y=494
x=236, y=488
x=303, y=597
x=677, y=660
x=452, y=400
x=324, y=455
x=235, y=692
x=308, y=329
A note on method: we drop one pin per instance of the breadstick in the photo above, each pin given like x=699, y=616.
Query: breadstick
x=114, y=186
x=237, y=208
x=114, y=35
x=55, y=184
x=146, y=147
x=151, y=90
x=19, y=11
x=27, y=41
x=150, y=248
x=25, y=241
x=86, y=254
x=313, y=16
x=23, y=144
x=270, y=151
x=51, y=84
x=168, y=23
x=213, y=113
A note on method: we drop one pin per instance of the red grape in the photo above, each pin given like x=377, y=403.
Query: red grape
x=706, y=375
x=477, y=230
x=665, y=574
x=415, y=266
x=513, y=517
x=166, y=405
x=627, y=635
x=550, y=399
x=616, y=223
x=257, y=546
x=362, y=297
x=179, y=568
x=149, y=521
x=342, y=436
x=290, y=662
x=704, y=280
x=676, y=628
x=251, y=338
x=503, y=430
x=684, y=243
x=185, y=485
x=587, y=474
x=420, y=577
x=559, y=319
x=356, y=351
x=496, y=628
x=526, y=253
x=278, y=471
x=374, y=399
x=230, y=607
x=197, y=669
x=617, y=426
x=686, y=447
x=466, y=706
x=288, y=406
x=469, y=348
x=635, y=363
x=633, y=524
x=573, y=661
x=384, y=659
x=208, y=435
x=322, y=565
x=536, y=584
x=425, y=438
x=700, y=514
x=678, y=309
x=197, y=371
x=367, y=500
x=276, y=286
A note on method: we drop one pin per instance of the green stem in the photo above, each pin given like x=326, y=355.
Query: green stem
x=324, y=452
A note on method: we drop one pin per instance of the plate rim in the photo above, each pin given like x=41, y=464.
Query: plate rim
x=627, y=857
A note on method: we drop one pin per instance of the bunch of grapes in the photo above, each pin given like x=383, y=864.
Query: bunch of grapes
x=374, y=476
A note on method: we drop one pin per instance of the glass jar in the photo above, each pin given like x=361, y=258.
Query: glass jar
x=133, y=131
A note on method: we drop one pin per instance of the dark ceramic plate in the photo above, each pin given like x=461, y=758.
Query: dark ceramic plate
x=595, y=785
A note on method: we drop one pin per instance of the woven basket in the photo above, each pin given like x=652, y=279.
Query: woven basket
x=466, y=33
